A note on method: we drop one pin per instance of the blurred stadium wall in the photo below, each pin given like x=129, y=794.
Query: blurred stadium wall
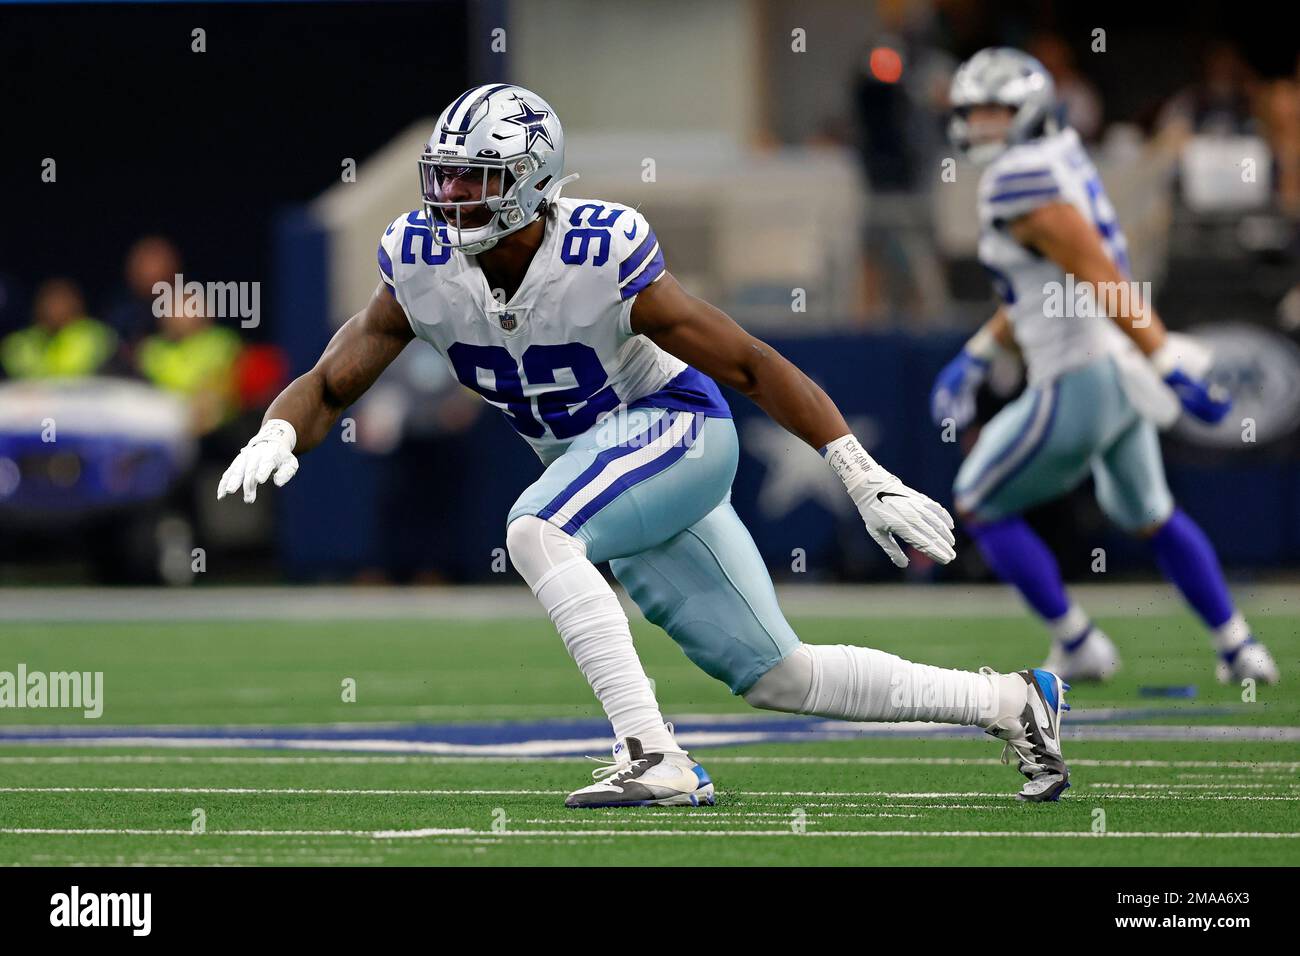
x=788, y=155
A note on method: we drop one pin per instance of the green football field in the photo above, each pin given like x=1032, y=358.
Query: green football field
x=244, y=751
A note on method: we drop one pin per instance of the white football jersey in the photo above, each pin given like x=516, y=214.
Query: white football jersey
x=560, y=354
x=1048, y=170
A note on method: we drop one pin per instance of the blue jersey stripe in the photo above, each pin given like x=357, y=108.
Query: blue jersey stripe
x=633, y=262
x=1027, y=174
x=653, y=271
x=385, y=265
x=1023, y=194
x=636, y=443
x=637, y=475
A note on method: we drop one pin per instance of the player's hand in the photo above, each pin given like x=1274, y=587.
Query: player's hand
x=953, y=394
x=1184, y=364
x=1204, y=401
x=268, y=455
x=890, y=509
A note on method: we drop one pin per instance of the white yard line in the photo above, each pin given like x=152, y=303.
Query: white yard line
x=447, y=792
x=961, y=794
x=421, y=759
x=287, y=791
x=592, y=745
x=436, y=832
x=714, y=815
x=1243, y=785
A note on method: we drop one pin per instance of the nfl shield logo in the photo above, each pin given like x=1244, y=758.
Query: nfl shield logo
x=508, y=321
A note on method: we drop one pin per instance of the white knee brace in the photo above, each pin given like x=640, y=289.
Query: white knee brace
x=537, y=548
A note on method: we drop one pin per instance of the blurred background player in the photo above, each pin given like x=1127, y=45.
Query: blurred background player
x=1100, y=376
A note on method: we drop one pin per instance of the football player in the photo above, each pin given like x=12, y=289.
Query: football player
x=560, y=313
x=1100, y=377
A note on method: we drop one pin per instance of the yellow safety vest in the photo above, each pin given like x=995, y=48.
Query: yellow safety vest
x=78, y=348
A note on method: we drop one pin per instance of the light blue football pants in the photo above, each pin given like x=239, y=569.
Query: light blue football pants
x=1043, y=444
x=649, y=490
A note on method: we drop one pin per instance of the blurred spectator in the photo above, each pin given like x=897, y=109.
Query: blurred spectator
x=1217, y=104
x=192, y=357
x=149, y=261
x=1083, y=108
x=900, y=95
x=62, y=339
x=1231, y=100
x=1279, y=111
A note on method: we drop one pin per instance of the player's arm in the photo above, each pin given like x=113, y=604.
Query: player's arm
x=708, y=339
x=952, y=397
x=1061, y=233
x=302, y=415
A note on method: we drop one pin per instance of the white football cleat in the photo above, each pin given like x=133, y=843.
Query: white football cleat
x=1035, y=736
x=1249, y=659
x=638, y=779
x=1092, y=657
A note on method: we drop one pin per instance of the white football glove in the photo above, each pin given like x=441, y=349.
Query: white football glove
x=270, y=453
x=888, y=507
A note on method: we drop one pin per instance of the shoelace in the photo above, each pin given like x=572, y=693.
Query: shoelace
x=1019, y=745
x=1024, y=752
x=613, y=768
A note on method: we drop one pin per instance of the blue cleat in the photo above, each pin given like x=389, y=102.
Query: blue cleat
x=1035, y=737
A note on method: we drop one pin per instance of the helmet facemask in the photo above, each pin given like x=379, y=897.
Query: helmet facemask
x=1005, y=78
x=504, y=148
x=503, y=184
x=980, y=141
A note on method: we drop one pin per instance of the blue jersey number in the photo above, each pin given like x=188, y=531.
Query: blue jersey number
x=417, y=231
x=1103, y=217
x=579, y=241
x=568, y=411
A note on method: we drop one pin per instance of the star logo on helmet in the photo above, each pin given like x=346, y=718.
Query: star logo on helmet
x=534, y=123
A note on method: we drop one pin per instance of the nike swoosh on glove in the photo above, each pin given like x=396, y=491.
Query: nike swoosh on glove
x=889, y=508
x=268, y=455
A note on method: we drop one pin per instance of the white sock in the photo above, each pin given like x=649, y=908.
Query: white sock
x=860, y=683
x=1231, y=634
x=586, y=612
x=1069, y=626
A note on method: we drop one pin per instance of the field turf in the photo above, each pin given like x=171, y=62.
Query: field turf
x=1227, y=797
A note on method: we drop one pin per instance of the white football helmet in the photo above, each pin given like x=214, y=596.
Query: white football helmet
x=1002, y=76
x=497, y=129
